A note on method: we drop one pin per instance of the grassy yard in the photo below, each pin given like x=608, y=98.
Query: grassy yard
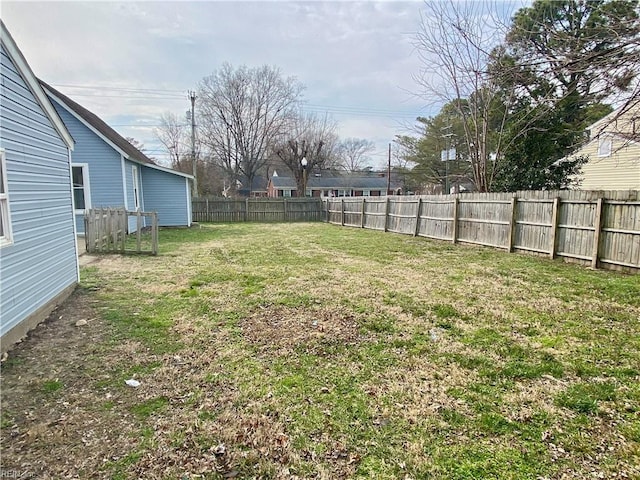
x=314, y=351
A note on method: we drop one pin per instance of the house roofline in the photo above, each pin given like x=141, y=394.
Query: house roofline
x=34, y=85
x=63, y=101
x=84, y=122
x=162, y=169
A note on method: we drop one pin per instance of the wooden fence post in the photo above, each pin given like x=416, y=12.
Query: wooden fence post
x=138, y=231
x=107, y=231
x=154, y=233
x=342, y=212
x=363, y=211
x=246, y=209
x=416, y=227
x=455, y=220
x=284, y=208
x=512, y=224
x=123, y=229
x=327, y=214
x=597, y=223
x=87, y=236
x=386, y=214
x=554, y=227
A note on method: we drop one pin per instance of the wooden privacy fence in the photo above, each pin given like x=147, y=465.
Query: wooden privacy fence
x=601, y=229
x=120, y=231
x=257, y=210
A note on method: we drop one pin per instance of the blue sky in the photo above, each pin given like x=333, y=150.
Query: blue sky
x=130, y=62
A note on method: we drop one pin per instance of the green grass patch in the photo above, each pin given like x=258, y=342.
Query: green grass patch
x=149, y=407
x=51, y=386
x=585, y=397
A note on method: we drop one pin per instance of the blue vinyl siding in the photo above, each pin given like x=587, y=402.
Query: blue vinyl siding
x=166, y=194
x=42, y=261
x=105, y=164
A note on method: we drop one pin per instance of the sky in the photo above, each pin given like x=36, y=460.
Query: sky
x=129, y=62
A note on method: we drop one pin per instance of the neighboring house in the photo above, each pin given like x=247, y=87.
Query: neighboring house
x=110, y=172
x=613, y=152
x=38, y=249
x=258, y=187
x=335, y=186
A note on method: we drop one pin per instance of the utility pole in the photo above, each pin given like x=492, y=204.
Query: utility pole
x=447, y=155
x=389, y=171
x=192, y=97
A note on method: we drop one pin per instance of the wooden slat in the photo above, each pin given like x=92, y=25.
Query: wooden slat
x=512, y=225
x=416, y=227
x=454, y=230
x=597, y=225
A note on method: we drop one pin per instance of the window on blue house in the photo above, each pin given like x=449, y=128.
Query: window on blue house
x=5, y=218
x=81, y=197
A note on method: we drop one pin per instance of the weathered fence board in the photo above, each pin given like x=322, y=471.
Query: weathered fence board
x=597, y=228
x=106, y=231
x=258, y=210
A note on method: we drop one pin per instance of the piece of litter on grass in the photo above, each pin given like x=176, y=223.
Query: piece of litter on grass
x=81, y=323
x=434, y=335
x=132, y=383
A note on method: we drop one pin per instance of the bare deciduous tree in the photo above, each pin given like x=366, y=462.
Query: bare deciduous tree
x=310, y=137
x=353, y=153
x=242, y=113
x=454, y=42
x=173, y=136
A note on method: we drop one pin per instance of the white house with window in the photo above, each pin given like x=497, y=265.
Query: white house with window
x=38, y=249
x=613, y=153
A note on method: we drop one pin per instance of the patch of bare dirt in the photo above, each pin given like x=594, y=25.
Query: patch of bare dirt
x=279, y=330
x=50, y=426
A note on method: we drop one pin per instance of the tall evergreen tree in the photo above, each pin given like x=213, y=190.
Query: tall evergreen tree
x=562, y=59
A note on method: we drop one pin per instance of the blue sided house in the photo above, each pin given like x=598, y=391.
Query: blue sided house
x=110, y=172
x=38, y=249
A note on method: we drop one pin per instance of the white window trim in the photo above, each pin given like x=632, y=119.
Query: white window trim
x=366, y=192
x=86, y=186
x=286, y=193
x=602, y=142
x=135, y=181
x=7, y=238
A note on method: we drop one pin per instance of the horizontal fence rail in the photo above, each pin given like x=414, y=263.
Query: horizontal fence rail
x=258, y=210
x=600, y=229
x=116, y=230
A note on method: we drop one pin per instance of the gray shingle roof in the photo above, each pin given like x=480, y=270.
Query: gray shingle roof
x=346, y=182
x=283, y=182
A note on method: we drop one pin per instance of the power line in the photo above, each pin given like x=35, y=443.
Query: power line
x=141, y=125
x=139, y=97
x=157, y=94
x=351, y=108
x=128, y=89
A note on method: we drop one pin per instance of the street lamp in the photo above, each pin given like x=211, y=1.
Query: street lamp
x=304, y=164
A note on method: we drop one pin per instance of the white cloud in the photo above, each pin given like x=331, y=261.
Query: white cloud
x=356, y=59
